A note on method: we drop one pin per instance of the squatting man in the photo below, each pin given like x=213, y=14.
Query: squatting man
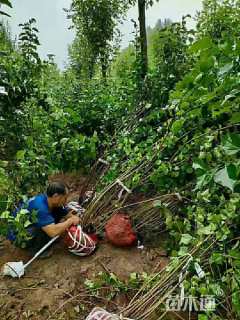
x=52, y=218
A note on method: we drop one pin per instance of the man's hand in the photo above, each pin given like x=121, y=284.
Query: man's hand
x=53, y=230
x=74, y=219
x=71, y=214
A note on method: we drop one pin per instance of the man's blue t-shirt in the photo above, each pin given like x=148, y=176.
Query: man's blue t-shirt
x=39, y=204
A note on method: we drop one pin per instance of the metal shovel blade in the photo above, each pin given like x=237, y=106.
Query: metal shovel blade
x=13, y=269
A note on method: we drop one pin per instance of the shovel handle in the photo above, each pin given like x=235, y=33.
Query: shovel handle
x=41, y=251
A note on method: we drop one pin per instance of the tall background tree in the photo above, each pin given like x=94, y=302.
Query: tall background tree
x=142, y=6
x=143, y=37
x=97, y=34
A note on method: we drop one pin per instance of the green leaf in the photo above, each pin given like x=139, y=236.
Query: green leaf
x=203, y=180
x=235, y=253
x=225, y=69
x=133, y=276
x=236, y=299
x=27, y=224
x=5, y=215
x=208, y=97
x=222, y=177
x=217, y=258
x=232, y=171
x=206, y=63
x=64, y=140
x=4, y=163
x=186, y=239
x=235, y=117
x=183, y=251
x=199, y=45
x=231, y=95
x=20, y=154
x=177, y=126
x=231, y=143
x=237, y=187
x=90, y=284
x=23, y=212
x=205, y=230
x=201, y=167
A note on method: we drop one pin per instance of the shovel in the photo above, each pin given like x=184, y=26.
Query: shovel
x=16, y=269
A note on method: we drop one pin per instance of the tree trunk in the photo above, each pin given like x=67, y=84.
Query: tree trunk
x=143, y=37
x=104, y=68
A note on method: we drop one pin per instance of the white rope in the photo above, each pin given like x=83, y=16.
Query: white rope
x=103, y=161
x=101, y=314
x=123, y=186
x=75, y=206
x=83, y=245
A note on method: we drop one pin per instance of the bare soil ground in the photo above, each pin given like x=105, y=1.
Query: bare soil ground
x=51, y=283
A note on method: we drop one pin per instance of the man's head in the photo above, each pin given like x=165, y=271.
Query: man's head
x=57, y=194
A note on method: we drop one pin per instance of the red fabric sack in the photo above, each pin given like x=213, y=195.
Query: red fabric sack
x=119, y=231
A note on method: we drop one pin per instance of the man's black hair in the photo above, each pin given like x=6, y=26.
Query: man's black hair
x=56, y=188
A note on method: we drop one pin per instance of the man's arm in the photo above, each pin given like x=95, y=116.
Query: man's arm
x=53, y=230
